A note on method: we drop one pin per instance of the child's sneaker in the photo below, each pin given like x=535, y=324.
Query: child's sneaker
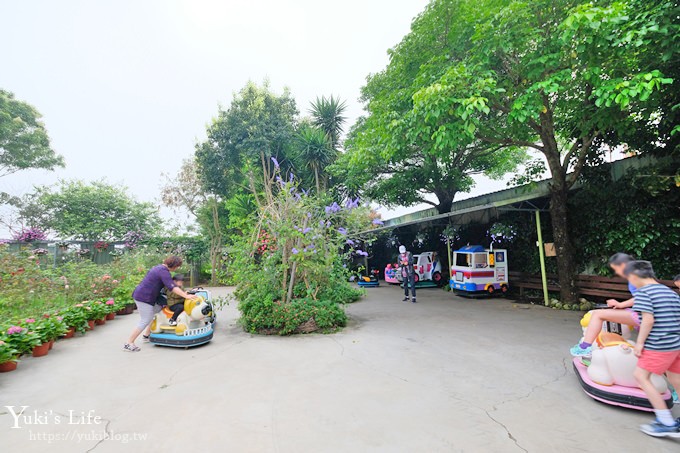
x=413, y=300
x=405, y=299
x=578, y=351
x=172, y=322
x=658, y=429
x=146, y=338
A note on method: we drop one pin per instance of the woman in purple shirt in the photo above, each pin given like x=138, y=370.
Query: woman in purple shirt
x=146, y=297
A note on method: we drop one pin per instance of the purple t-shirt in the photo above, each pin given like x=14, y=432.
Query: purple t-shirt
x=154, y=281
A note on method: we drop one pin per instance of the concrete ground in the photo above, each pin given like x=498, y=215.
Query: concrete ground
x=444, y=375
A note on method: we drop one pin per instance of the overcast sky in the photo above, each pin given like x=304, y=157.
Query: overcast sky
x=126, y=87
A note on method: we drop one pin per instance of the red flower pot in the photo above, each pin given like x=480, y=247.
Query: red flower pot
x=8, y=366
x=41, y=350
x=70, y=333
x=90, y=324
x=51, y=344
x=100, y=322
x=110, y=316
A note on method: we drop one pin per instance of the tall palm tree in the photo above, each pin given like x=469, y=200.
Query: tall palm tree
x=314, y=153
x=327, y=114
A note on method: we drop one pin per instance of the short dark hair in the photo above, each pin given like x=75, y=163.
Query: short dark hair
x=173, y=262
x=178, y=277
x=642, y=269
x=676, y=278
x=620, y=258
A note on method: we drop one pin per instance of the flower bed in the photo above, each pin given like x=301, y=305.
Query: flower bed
x=40, y=304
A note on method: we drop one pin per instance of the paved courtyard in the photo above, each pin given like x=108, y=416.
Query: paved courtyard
x=444, y=375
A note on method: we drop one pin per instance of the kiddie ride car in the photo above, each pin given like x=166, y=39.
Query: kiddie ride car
x=371, y=281
x=478, y=270
x=428, y=270
x=608, y=375
x=195, y=325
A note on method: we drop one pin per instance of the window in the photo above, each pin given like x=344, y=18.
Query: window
x=463, y=259
x=480, y=260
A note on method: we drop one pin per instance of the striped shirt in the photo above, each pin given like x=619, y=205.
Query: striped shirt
x=664, y=304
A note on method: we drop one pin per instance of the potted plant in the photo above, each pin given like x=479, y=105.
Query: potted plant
x=123, y=307
x=98, y=312
x=50, y=328
x=43, y=346
x=8, y=357
x=22, y=339
x=76, y=319
x=110, y=306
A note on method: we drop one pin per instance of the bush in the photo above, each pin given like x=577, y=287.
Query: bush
x=268, y=316
x=291, y=266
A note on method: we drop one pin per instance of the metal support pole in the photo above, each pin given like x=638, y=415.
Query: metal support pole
x=448, y=249
x=541, y=254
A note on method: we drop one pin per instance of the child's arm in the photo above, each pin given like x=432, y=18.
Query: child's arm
x=645, y=327
x=626, y=303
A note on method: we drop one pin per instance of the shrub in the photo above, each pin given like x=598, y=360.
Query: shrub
x=291, y=266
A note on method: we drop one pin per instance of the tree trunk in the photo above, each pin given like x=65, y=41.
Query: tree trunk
x=445, y=202
x=566, y=263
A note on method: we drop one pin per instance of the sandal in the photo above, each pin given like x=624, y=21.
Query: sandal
x=131, y=347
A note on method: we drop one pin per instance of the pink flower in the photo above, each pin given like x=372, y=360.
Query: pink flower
x=30, y=320
x=60, y=318
x=14, y=329
x=109, y=302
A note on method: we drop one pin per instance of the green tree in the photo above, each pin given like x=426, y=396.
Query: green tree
x=94, y=211
x=313, y=153
x=554, y=76
x=24, y=142
x=242, y=140
x=402, y=151
x=328, y=115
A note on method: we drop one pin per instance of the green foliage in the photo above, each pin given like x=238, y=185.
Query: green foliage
x=24, y=142
x=289, y=265
x=328, y=115
x=29, y=290
x=257, y=125
x=411, y=144
x=20, y=339
x=312, y=153
x=612, y=216
x=8, y=353
x=94, y=211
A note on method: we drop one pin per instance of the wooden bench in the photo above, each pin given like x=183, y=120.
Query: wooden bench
x=588, y=285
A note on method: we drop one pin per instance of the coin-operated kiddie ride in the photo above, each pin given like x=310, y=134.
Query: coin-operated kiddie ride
x=427, y=271
x=477, y=270
x=195, y=325
x=607, y=376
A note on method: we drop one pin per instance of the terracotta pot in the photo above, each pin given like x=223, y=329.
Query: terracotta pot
x=110, y=316
x=100, y=322
x=70, y=333
x=41, y=350
x=51, y=344
x=127, y=310
x=8, y=366
x=90, y=324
